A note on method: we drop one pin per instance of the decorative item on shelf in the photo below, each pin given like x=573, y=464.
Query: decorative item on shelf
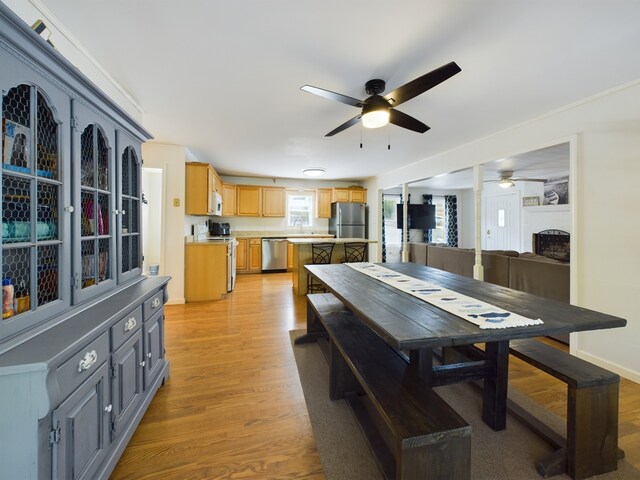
x=530, y=201
x=7, y=298
x=16, y=145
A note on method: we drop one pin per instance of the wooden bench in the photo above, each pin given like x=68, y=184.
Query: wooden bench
x=591, y=446
x=413, y=432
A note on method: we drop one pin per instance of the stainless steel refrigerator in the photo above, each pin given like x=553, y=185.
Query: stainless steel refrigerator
x=348, y=220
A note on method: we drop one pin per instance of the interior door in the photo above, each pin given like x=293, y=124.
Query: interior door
x=501, y=222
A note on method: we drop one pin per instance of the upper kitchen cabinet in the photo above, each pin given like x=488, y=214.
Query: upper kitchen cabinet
x=200, y=188
x=228, y=200
x=128, y=211
x=249, y=201
x=349, y=195
x=323, y=200
x=273, y=202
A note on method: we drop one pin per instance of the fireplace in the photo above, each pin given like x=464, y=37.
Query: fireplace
x=552, y=244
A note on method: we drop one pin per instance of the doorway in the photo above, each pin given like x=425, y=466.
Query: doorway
x=501, y=222
x=152, y=186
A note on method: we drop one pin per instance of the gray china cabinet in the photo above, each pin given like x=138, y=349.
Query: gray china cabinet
x=82, y=330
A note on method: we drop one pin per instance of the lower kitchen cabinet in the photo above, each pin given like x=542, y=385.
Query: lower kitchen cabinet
x=80, y=388
x=241, y=256
x=289, y=257
x=255, y=255
x=206, y=270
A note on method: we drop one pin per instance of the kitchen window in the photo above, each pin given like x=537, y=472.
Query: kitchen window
x=300, y=209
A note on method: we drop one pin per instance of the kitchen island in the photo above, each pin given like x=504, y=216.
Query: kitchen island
x=302, y=257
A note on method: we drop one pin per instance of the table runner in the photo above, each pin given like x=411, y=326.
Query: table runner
x=481, y=313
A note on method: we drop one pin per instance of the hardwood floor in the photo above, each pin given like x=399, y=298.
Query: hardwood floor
x=234, y=408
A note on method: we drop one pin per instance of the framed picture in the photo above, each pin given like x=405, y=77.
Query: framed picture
x=530, y=201
x=556, y=191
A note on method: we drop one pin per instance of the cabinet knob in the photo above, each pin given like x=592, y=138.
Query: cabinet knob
x=69, y=209
x=123, y=212
x=142, y=363
x=116, y=211
x=108, y=408
x=149, y=355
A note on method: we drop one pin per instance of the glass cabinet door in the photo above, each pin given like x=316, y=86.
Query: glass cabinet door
x=94, y=204
x=33, y=251
x=129, y=207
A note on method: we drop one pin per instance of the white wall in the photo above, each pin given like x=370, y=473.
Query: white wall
x=605, y=131
x=171, y=159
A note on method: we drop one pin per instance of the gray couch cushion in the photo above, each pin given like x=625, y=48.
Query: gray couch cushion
x=546, y=278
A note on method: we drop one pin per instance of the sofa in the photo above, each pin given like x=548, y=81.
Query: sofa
x=526, y=272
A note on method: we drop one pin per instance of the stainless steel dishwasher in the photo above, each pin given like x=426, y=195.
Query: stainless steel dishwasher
x=274, y=254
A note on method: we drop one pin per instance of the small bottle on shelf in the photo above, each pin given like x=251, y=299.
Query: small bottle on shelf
x=7, y=298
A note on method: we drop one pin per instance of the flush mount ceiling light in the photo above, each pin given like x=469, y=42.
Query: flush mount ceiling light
x=313, y=172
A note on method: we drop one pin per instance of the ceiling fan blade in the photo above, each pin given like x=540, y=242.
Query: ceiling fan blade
x=519, y=179
x=338, y=97
x=406, y=121
x=344, y=126
x=422, y=84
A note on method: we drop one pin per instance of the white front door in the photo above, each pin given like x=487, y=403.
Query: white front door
x=501, y=222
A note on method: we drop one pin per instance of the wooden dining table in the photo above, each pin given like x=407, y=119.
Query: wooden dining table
x=411, y=325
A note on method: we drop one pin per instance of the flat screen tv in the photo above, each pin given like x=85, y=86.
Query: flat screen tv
x=420, y=216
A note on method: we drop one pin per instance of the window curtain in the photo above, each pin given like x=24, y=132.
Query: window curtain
x=427, y=200
x=451, y=219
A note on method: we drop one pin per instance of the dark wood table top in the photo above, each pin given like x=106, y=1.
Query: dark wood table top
x=408, y=323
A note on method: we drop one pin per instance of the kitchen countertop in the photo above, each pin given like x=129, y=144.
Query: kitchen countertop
x=280, y=235
x=303, y=241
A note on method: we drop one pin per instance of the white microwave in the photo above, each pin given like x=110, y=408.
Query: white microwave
x=216, y=201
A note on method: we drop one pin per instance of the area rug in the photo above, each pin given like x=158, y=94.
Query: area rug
x=345, y=454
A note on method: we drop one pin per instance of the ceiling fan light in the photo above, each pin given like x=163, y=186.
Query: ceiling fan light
x=376, y=118
x=314, y=172
x=506, y=183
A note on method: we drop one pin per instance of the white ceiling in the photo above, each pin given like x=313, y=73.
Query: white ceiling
x=223, y=77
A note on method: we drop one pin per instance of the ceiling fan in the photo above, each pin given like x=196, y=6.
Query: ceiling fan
x=378, y=110
x=506, y=179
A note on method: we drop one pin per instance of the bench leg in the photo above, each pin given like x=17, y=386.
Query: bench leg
x=592, y=430
x=494, y=393
x=341, y=378
x=446, y=459
x=315, y=329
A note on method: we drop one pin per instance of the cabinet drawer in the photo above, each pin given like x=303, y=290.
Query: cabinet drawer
x=82, y=364
x=154, y=304
x=125, y=328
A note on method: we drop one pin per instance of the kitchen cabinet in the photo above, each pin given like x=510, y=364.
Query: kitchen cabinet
x=228, y=200
x=350, y=195
x=255, y=255
x=200, y=186
x=323, y=202
x=249, y=201
x=71, y=345
x=205, y=271
x=241, y=256
x=273, y=202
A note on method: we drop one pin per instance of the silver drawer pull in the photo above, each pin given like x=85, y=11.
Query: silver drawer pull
x=130, y=325
x=108, y=408
x=90, y=358
x=155, y=303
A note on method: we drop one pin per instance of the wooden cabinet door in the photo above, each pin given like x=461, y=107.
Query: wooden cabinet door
x=273, y=202
x=241, y=256
x=205, y=271
x=153, y=347
x=358, y=195
x=228, y=200
x=197, y=190
x=323, y=202
x=248, y=201
x=340, y=195
x=81, y=427
x=126, y=385
x=255, y=255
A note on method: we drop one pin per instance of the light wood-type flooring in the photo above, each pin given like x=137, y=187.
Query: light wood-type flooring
x=233, y=407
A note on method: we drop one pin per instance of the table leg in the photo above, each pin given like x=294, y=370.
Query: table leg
x=494, y=406
x=421, y=363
